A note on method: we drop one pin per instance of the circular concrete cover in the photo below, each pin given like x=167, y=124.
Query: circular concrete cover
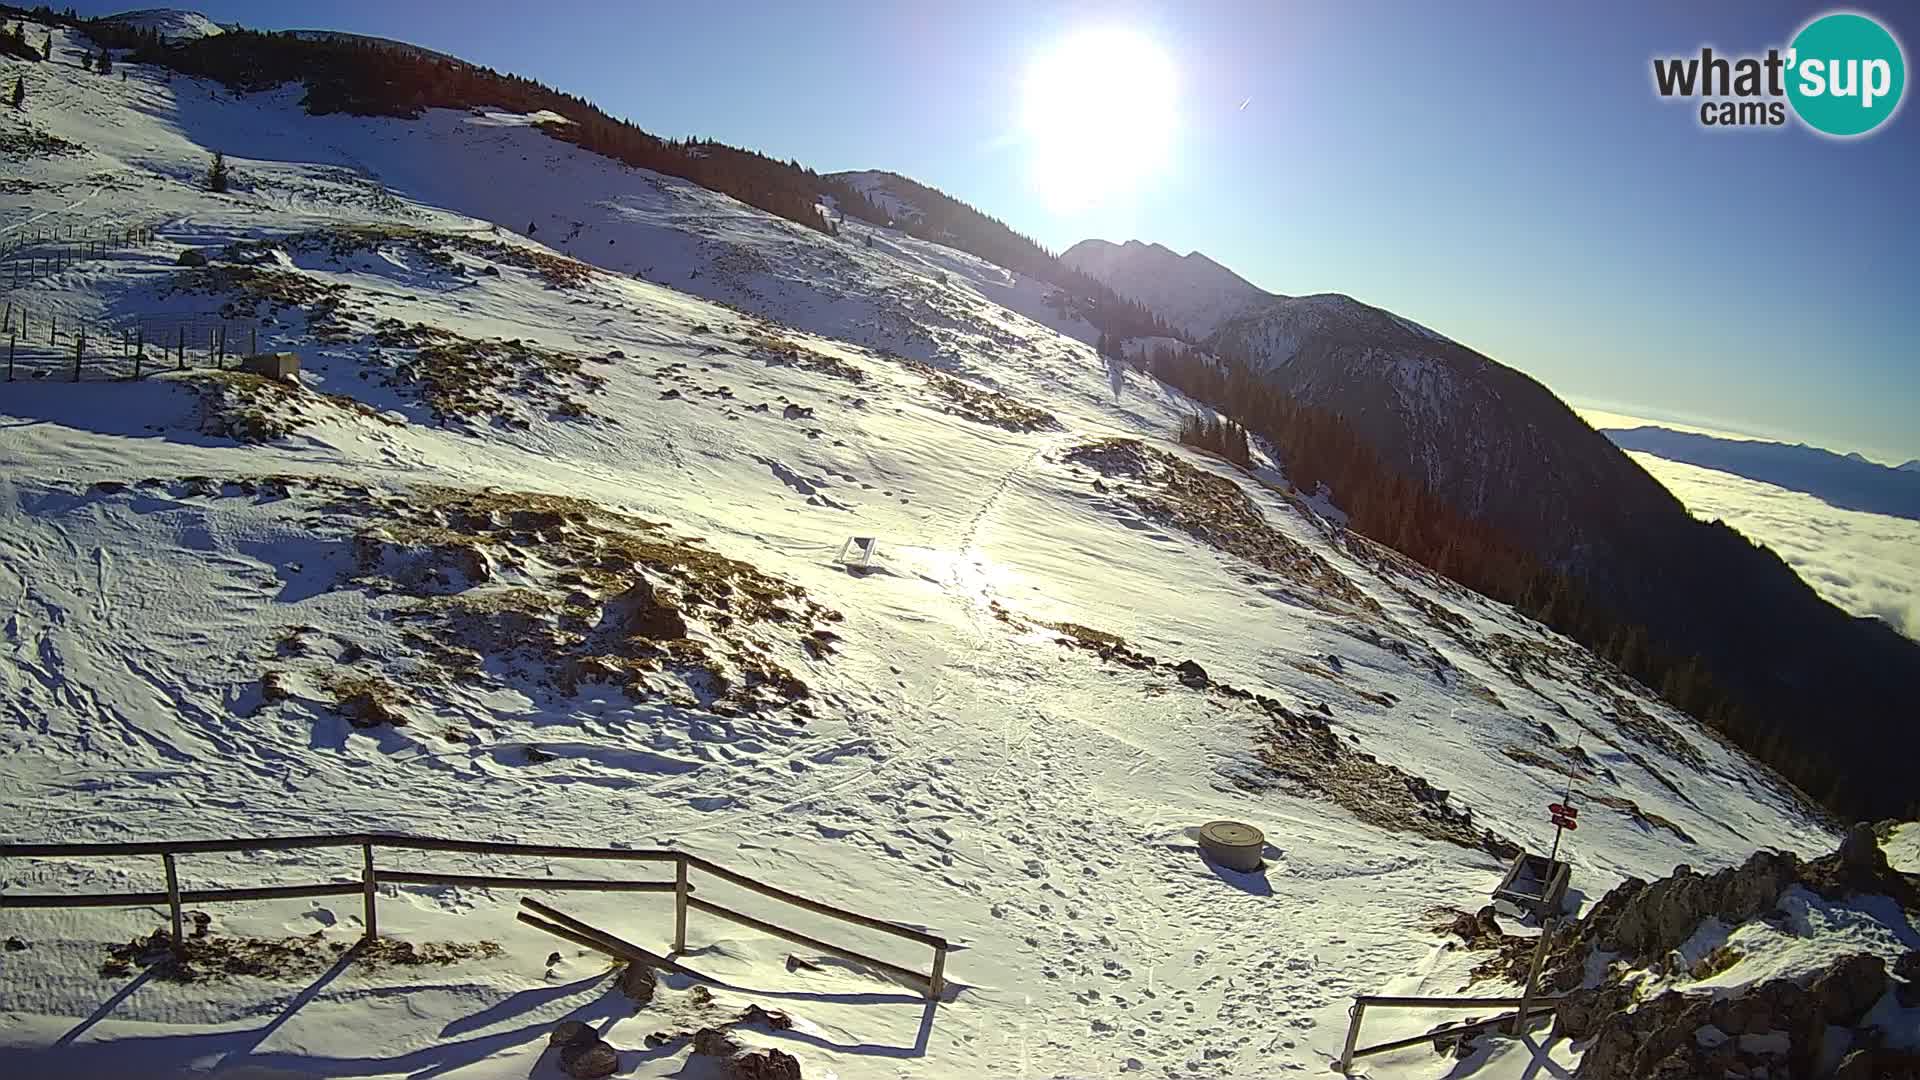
x=1233, y=844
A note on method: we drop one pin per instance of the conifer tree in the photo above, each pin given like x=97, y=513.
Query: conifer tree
x=217, y=173
x=104, y=65
x=19, y=91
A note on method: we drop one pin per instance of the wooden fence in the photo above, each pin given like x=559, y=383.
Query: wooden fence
x=370, y=877
x=40, y=344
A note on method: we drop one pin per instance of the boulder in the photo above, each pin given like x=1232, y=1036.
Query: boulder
x=190, y=257
x=1908, y=968
x=638, y=982
x=774, y=1020
x=768, y=1064
x=641, y=612
x=1845, y=991
x=714, y=1042
x=570, y=1033
x=1860, y=851
x=589, y=1060
x=1192, y=675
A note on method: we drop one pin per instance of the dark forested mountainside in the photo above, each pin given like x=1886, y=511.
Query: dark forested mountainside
x=1721, y=626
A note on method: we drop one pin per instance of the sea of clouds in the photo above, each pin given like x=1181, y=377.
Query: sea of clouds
x=1867, y=564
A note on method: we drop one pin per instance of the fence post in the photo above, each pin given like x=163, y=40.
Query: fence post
x=173, y=901
x=183, y=348
x=139, y=351
x=1358, y=1010
x=12, y=341
x=680, y=904
x=367, y=882
x=253, y=340
x=1533, y=975
x=938, y=981
x=79, y=347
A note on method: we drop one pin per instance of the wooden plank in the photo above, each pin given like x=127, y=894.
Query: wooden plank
x=626, y=947
x=578, y=939
x=496, y=881
x=798, y=938
x=187, y=896
x=816, y=906
x=179, y=847
x=1477, y=1025
x=488, y=847
x=1445, y=1002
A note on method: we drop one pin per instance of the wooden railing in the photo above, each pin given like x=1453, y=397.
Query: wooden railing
x=371, y=877
x=1527, y=1008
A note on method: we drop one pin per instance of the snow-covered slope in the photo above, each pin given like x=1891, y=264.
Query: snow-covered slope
x=173, y=24
x=543, y=547
x=1190, y=291
x=878, y=188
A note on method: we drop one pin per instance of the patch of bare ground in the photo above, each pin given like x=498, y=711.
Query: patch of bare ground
x=780, y=352
x=981, y=405
x=596, y=597
x=1215, y=511
x=462, y=379
x=204, y=957
x=251, y=408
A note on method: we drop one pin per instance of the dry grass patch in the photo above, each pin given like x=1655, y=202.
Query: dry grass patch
x=598, y=596
x=463, y=379
x=982, y=406
x=250, y=408
x=780, y=352
x=1215, y=511
x=204, y=957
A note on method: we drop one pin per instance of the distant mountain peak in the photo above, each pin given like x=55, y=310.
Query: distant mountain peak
x=1190, y=291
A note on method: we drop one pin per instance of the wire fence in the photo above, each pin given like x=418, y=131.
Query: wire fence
x=29, y=254
x=42, y=345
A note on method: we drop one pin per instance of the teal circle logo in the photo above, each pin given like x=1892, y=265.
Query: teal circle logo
x=1846, y=73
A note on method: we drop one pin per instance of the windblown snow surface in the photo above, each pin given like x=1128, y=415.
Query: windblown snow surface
x=184, y=618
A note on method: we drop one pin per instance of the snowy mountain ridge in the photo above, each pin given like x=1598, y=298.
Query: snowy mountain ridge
x=544, y=544
x=174, y=24
x=1191, y=291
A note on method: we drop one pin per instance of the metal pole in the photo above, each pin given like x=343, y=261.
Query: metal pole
x=139, y=352
x=1533, y=975
x=1357, y=1011
x=173, y=902
x=680, y=904
x=79, y=347
x=367, y=883
x=13, y=340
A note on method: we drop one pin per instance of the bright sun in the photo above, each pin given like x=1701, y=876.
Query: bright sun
x=1099, y=115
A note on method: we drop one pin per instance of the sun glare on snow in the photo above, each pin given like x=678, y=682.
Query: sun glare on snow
x=1099, y=116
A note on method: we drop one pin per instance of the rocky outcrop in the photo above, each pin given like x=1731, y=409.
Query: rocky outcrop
x=1779, y=1028
x=1645, y=921
x=741, y=1063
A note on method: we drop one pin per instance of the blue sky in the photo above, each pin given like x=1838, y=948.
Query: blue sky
x=1501, y=172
